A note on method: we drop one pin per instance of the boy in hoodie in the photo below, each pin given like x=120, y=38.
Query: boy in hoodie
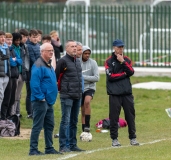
x=24, y=73
x=34, y=53
x=90, y=74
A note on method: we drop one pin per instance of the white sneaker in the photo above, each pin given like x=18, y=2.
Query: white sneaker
x=168, y=111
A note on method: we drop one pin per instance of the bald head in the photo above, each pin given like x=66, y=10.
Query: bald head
x=47, y=51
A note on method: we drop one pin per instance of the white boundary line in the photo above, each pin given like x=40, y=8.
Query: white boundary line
x=102, y=149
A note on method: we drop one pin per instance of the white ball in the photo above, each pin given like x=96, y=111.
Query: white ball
x=86, y=136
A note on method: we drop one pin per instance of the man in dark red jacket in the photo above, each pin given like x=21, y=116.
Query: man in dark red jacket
x=118, y=72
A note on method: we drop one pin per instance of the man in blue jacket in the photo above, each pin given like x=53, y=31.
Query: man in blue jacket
x=43, y=95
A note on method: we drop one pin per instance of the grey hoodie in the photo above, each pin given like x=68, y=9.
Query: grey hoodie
x=90, y=72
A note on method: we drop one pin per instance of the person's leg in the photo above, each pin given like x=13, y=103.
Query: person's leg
x=87, y=108
x=28, y=97
x=129, y=111
x=115, y=103
x=3, y=84
x=6, y=100
x=48, y=128
x=20, y=84
x=73, y=122
x=66, y=105
x=39, y=111
x=12, y=99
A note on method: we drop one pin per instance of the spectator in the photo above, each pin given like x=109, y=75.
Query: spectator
x=39, y=38
x=90, y=74
x=118, y=72
x=4, y=66
x=8, y=39
x=56, y=43
x=69, y=77
x=15, y=63
x=43, y=96
x=34, y=53
x=47, y=39
x=24, y=72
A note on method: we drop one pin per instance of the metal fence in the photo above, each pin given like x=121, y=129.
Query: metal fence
x=146, y=32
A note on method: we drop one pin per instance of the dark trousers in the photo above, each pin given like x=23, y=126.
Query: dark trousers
x=9, y=98
x=115, y=104
x=43, y=117
x=28, y=98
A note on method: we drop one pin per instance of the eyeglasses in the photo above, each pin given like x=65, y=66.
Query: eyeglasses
x=49, y=51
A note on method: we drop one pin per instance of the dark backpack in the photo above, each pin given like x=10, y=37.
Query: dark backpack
x=106, y=123
x=16, y=120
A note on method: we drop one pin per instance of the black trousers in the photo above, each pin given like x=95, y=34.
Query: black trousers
x=9, y=98
x=28, y=98
x=115, y=104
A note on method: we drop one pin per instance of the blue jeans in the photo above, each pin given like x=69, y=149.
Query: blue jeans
x=70, y=110
x=43, y=117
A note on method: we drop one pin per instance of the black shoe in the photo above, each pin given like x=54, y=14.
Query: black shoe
x=36, y=153
x=53, y=152
x=65, y=149
x=76, y=149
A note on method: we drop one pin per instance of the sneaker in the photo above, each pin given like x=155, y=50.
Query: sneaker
x=65, y=149
x=53, y=152
x=76, y=149
x=30, y=116
x=134, y=142
x=168, y=111
x=115, y=143
x=35, y=153
x=56, y=135
x=86, y=129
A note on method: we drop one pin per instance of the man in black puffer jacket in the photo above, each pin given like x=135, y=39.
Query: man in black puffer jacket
x=69, y=76
x=118, y=72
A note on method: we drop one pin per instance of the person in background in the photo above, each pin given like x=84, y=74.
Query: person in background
x=15, y=63
x=68, y=72
x=47, y=39
x=39, y=38
x=90, y=73
x=8, y=39
x=43, y=96
x=4, y=66
x=56, y=43
x=24, y=72
x=34, y=54
x=119, y=69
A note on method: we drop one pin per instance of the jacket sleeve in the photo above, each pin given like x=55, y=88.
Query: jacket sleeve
x=32, y=54
x=35, y=83
x=112, y=76
x=18, y=60
x=95, y=77
x=60, y=69
x=127, y=65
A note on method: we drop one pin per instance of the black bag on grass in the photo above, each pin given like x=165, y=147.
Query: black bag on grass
x=106, y=123
x=16, y=120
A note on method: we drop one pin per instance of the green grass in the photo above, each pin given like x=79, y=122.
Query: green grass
x=152, y=123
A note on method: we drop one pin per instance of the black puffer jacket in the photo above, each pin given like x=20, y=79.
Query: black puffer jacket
x=2, y=66
x=117, y=76
x=69, y=76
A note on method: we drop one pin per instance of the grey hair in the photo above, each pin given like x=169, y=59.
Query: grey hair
x=66, y=44
x=42, y=47
x=79, y=43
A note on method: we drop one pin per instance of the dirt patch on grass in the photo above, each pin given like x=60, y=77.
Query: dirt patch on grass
x=24, y=134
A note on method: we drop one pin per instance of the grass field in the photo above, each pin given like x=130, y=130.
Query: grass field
x=152, y=123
